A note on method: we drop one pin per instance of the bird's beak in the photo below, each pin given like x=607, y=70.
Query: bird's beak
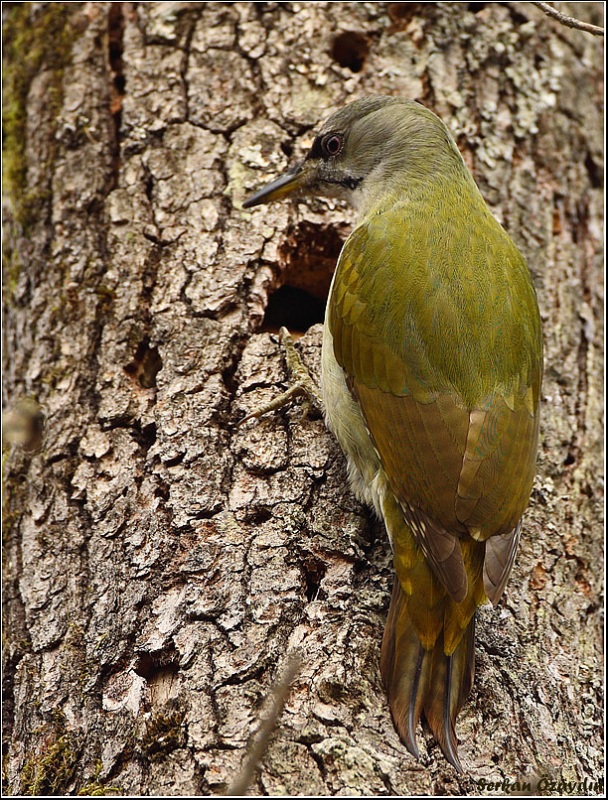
x=288, y=184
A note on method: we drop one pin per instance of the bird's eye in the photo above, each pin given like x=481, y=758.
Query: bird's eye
x=332, y=144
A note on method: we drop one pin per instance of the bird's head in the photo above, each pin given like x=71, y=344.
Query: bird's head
x=370, y=147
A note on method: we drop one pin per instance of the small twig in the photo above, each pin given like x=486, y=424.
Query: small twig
x=570, y=22
x=259, y=745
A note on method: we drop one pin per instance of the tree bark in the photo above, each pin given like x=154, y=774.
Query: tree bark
x=161, y=562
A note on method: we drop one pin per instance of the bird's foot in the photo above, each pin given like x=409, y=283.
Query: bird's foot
x=301, y=384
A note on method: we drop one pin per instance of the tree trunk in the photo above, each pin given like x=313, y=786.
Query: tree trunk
x=161, y=562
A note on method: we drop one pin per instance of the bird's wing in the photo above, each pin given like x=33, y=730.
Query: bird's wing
x=448, y=386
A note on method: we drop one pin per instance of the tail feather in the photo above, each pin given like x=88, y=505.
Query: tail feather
x=452, y=678
x=418, y=679
x=404, y=668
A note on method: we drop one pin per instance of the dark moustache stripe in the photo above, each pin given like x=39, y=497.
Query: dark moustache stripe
x=348, y=183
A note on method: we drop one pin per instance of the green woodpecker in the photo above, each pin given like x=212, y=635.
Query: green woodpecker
x=431, y=377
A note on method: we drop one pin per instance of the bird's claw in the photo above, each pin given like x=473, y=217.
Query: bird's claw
x=302, y=384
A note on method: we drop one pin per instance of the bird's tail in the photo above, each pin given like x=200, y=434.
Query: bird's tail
x=419, y=679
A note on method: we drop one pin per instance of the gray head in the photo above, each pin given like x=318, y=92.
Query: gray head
x=374, y=144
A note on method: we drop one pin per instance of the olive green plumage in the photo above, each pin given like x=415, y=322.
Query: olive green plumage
x=432, y=366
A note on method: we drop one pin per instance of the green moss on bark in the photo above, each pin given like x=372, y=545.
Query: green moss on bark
x=49, y=771
x=35, y=37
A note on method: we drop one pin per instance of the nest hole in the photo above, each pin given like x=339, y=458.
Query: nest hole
x=308, y=255
x=350, y=49
x=294, y=308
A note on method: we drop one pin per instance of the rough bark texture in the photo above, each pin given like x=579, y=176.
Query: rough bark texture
x=160, y=562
